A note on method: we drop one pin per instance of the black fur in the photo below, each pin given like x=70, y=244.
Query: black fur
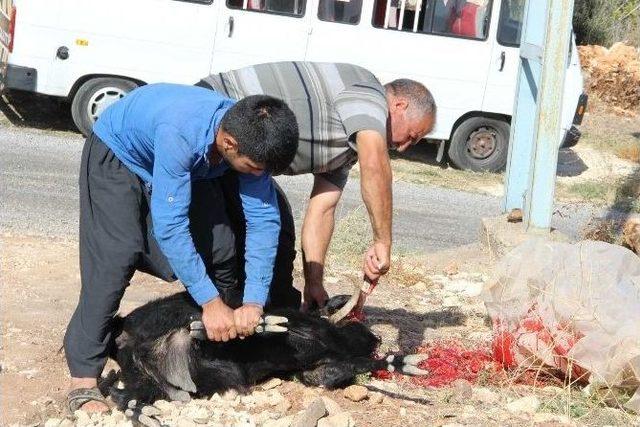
x=322, y=353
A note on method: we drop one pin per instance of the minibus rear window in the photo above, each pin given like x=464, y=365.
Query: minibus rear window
x=341, y=11
x=280, y=7
x=454, y=18
x=510, y=24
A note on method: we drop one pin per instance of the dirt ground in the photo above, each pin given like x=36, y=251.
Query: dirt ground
x=40, y=284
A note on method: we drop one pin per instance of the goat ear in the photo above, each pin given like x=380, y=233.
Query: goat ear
x=122, y=340
x=174, y=355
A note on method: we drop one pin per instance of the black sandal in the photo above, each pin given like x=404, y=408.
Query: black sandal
x=78, y=397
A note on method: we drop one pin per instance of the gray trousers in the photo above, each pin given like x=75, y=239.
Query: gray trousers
x=116, y=239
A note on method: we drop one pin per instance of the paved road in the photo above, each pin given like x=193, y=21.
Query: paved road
x=39, y=196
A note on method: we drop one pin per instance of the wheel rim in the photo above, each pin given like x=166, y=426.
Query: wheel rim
x=102, y=99
x=482, y=143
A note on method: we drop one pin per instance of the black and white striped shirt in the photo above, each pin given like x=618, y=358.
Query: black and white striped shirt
x=331, y=102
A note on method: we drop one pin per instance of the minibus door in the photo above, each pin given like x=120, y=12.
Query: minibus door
x=257, y=31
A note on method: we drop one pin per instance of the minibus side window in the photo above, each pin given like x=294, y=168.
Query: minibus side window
x=455, y=18
x=510, y=24
x=197, y=1
x=341, y=11
x=279, y=7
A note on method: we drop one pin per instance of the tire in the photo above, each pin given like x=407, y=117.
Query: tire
x=94, y=96
x=480, y=144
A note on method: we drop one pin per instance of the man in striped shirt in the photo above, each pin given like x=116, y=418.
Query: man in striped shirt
x=344, y=116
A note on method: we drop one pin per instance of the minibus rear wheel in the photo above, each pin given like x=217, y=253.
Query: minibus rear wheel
x=94, y=96
x=480, y=144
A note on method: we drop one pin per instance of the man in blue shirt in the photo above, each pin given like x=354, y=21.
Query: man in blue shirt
x=137, y=176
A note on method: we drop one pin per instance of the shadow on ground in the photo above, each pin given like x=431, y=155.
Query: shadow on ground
x=29, y=110
x=411, y=326
x=424, y=152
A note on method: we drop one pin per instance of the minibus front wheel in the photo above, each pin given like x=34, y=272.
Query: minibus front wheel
x=94, y=96
x=480, y=144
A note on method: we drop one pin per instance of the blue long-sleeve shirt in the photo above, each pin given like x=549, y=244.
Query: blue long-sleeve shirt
x=164, y=133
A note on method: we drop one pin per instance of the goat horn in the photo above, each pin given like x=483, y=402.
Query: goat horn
x=275, y=320
x=271, y=328
x=346, y=309
x=414, y=359
x=414, y=370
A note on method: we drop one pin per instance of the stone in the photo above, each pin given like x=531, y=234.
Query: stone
x=185, y=422
x=282, y=422
x=82, y=418
x=528, y=405
x=451, y=301
x=260, y=398
x=118, y=416
x=66, y=423
x=272, y=383
x=263, y=417
x=376, y=398
x=355, y=393
x=332, y=406
x=284, y=406
x=451, y=269
x=309, y=396
x=419, y=286
x=52, y=422
x=274, y=398
x=164, y=406
x=462, y=391
x=310, y=416
x=342, y=419
x=484, y=395
x=403, y=412
x=547, y=418
x=230, y=394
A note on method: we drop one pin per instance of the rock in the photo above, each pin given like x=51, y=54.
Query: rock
x=462, y=391
x=451, y=269
x=263, y=417
x=342, y=419
x=403, y=412
x=283, y=406
x=356, y=393
x=52, y=422
x=82, y=418
x=485, y=395
x=164, y=406
x=311, y=415
x=282, y=422
x=260, y=398
x=546, y=418
x=528, y=405
x=419, y=286
x=185, y=422
x=376, y=398
x=308, y=396
x=230, y=394
x=274, y=398
x=66, y=423
x=332, y=406
x=272, y=383
x=248, y=400
x=194, y=412
x=118, y=416
x=451, y=301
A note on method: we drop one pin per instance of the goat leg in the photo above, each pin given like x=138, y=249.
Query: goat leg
x=407, y=365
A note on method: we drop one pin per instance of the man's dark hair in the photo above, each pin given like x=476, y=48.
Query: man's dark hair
x=266, y=131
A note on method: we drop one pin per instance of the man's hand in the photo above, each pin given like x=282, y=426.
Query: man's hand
x=314, y=295
x=377, y=261
x=218, y=320
x=247, y=318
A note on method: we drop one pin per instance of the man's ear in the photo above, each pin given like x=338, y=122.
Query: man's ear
x=400, y=104
x=229, y=144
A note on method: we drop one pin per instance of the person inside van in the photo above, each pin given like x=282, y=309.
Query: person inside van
x=144, y=187
x=345, y=116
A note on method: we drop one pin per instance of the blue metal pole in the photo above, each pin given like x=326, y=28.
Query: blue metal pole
x=535, y=131
x=555, y=61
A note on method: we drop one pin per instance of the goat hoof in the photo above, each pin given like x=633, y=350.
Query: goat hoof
x=411, y=362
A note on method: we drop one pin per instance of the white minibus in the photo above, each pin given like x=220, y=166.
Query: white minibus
x=93, y=52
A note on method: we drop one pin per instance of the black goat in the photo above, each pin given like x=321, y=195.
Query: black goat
x=160, y=359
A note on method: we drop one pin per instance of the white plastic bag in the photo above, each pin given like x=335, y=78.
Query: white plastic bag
x=571, y=307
